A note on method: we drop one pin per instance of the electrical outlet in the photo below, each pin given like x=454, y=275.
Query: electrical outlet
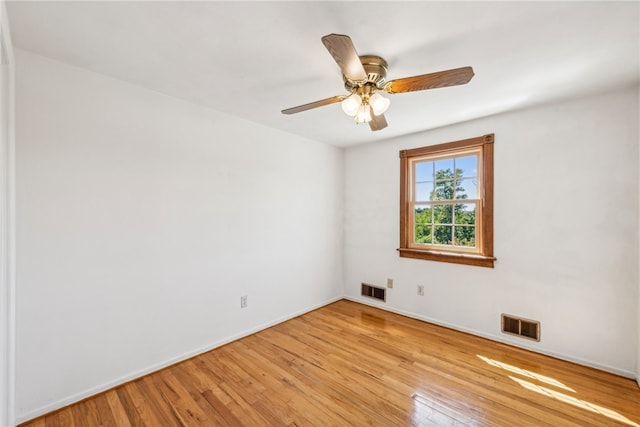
x=389, y=283
x=243, y=301
x=421, y=290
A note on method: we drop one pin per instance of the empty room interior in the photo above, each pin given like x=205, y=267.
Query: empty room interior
x=320, y=213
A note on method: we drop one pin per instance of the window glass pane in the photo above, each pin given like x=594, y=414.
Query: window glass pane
x=467, y=166
x=467, y=188
x=424, y=191
x=442, y=234
x=465, y=236
x=443, y=214
x=444, y=180
x=423, y=234
x=424, y=171
x=465, y=214
x=443, y=166
x=422, y=215
x=443, y=190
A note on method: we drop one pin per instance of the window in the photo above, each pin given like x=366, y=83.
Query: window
x=446, y=202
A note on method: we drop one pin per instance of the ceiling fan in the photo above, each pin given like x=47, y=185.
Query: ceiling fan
x=366, y=76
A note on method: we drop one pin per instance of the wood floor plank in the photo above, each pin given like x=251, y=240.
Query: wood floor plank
x=102, y=409
x=351, y=364
x=130, y=407
x=60, y=418
x=192, y=386
x=307, y=385
x=117, y=410
x=159, y=404
x=91, y=415
x=187, y=407
x=225, y=404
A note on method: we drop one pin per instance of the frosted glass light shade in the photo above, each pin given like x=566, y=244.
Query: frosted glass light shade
x=379, y=103
x=351, y=104
x=364, y=114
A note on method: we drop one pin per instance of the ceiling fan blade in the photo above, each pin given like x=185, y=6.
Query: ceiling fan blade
x=377, y=122
x=342, y=50
x=457, y=76
x=315, y=104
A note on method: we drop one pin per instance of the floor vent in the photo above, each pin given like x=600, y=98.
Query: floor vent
x=374, y=292
x=521, y=327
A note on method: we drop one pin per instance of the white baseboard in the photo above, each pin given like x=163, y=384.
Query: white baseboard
x=61, y=403
x=547, y=352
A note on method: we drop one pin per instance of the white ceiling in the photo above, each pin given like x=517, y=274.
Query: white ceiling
x=253, y=59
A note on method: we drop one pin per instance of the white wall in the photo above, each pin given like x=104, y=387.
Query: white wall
x=566, y=231
x=142, y=219
x=7, y=249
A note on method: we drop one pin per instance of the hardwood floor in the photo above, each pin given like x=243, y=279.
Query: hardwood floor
x=348, y=364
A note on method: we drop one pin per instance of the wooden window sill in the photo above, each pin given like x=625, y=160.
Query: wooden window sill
x=455, y=258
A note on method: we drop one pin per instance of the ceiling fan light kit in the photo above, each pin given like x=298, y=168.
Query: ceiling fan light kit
x=379, y=103
x=364, y=114
x=360, y=105
x=351, y=104
x=366, y=76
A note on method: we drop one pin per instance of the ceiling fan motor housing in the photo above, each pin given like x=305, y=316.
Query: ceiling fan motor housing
x=376, y=69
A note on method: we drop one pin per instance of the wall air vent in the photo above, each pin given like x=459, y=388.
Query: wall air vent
x=521, y=327
x=374, y=292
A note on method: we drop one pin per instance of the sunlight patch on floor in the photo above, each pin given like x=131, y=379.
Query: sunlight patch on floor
x=526, y=373
x=575, y=401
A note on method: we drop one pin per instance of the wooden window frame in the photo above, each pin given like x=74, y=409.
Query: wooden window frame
x=482, y=256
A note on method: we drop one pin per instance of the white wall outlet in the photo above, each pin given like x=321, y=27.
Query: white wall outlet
x=243, y=301
x=389, y=283
x=421, y=290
